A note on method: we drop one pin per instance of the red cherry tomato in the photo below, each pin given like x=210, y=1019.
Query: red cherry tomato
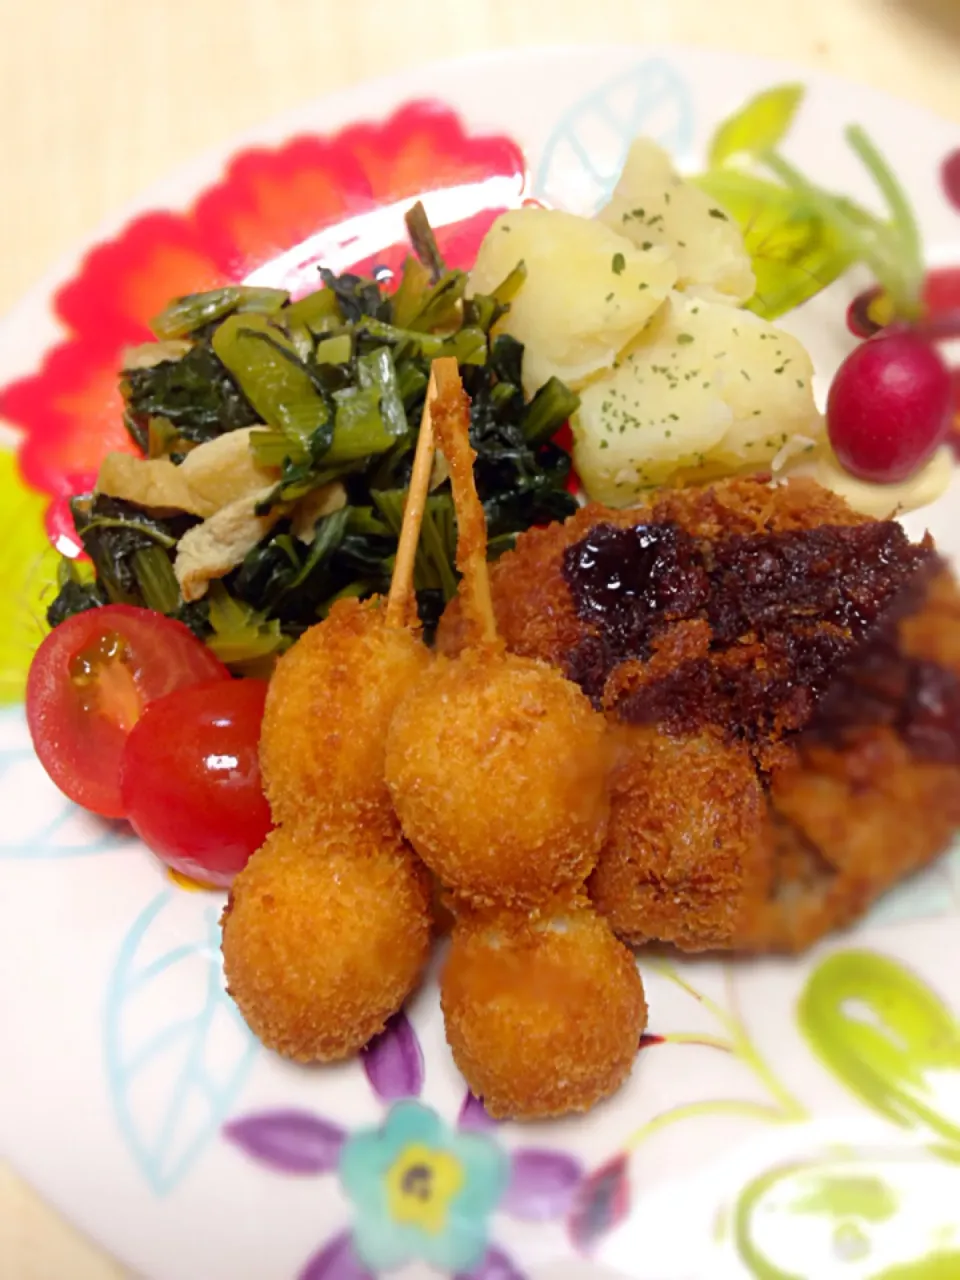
x=88, y=685
x=889, y=407
x=190, y=779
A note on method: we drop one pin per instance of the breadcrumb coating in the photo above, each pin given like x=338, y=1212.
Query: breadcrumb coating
x=330, y=703
x=498, y=771
x=544, y=1012
x=324, y=937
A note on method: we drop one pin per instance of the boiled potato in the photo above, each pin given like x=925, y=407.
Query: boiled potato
x=705, y=390
x=588, y=290
x=651, y=205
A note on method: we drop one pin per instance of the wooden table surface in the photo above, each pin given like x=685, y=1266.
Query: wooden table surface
x=103, y=97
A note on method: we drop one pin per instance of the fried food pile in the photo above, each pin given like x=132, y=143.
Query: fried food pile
x=328, y=928
x=498, y=769
x=730, y=719
x=782, y=676
x=493, y=769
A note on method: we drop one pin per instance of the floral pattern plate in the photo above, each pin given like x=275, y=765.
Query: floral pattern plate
x=786, y=1120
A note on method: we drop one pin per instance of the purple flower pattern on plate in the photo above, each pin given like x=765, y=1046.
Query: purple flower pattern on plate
x=421, y=1189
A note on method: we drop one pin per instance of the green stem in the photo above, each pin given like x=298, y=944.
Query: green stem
x=711, y=1107
x=897, y=202
x=891, y=251
x=693, y=1037
x=740, y=1044
x=747, y=1052
x=826, y=207
x=668, y=972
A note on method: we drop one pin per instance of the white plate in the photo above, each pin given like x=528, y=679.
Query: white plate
x=136, y=1101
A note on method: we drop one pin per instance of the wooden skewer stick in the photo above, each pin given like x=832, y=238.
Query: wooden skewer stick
x=452, y=424
x=401, y=602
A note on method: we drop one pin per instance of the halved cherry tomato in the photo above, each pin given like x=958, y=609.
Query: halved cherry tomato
x=89, y=683
x=190, y=779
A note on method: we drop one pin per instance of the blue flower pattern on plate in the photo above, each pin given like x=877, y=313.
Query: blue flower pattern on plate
x=422, y=1189
x=585, y=152
x=172, y=1090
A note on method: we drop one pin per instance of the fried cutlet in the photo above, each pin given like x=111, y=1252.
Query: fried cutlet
x=819, y=644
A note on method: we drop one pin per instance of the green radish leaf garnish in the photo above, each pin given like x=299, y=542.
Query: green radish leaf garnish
x=800, y=236
x=756, y=128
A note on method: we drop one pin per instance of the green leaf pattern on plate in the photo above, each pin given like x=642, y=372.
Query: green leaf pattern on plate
x=885, y=1035
x=864, y=1216
x=866, y=1197
x=891, y=1041
x=890, y=1212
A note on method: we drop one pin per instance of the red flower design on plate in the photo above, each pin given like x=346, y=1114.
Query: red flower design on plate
x=276, y=215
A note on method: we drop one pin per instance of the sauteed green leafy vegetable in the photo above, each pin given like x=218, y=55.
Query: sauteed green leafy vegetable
x=331, y=388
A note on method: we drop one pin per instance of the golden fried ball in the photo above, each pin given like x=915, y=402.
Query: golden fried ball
x=689, y=844
x=330, y=701
x=498, y=771
x=543, y=1013
x=324, y=940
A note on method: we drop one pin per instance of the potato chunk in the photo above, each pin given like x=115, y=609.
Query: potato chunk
x=652, y=205
x=588, y=291
x=705, y=391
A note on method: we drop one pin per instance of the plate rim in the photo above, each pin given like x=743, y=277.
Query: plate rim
x=408, y=83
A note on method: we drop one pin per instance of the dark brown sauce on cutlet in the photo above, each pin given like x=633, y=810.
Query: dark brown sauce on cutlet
x=802, y=632
x=918, y=700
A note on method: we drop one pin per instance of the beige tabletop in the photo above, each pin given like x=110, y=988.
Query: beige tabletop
x=102, y=97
